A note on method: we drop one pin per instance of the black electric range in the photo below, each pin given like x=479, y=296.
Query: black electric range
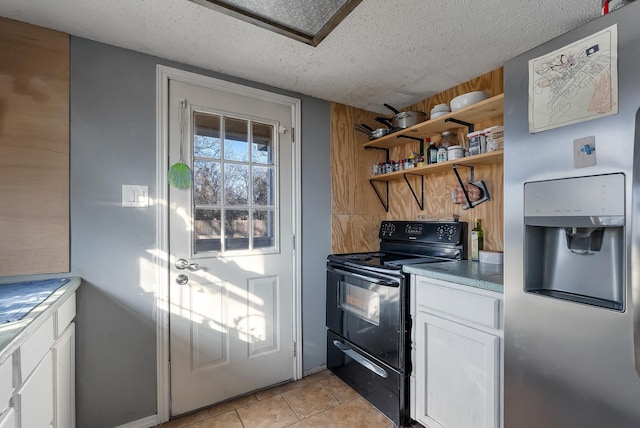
x=368, y=316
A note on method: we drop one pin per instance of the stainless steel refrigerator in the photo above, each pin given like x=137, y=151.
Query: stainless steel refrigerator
x=572, y=229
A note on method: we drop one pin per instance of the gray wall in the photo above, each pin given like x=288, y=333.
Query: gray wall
x=113, y=142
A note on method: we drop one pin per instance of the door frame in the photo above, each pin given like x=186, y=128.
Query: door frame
x=161, y=256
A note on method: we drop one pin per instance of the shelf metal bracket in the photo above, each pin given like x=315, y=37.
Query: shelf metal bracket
x=380, y=148
x=420, y=201
x=479, y=184
x=385, y=201
x=461, y=122
x=416, y=139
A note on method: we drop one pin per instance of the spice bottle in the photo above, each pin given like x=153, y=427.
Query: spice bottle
x=477, y=240
x=432, y=153
x=442, y=154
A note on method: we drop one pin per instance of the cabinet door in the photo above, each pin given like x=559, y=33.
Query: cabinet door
x=456, y=375
x=35, y=396
x=64, y=363
x=6, y=384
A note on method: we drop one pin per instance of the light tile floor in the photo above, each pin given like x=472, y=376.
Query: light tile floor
x=321, y=400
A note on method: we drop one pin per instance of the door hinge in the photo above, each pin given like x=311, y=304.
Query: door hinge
x=295, y=349
x=293, y=242
x=293, y=135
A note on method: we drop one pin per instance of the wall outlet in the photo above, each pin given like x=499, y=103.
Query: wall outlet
x=584, y=152
x=135, y=196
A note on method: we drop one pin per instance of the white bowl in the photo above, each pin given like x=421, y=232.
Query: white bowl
x=467, y=99
x=439, y=108
x=438, y=114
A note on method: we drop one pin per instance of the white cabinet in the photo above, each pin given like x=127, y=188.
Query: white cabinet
x=35, y=347
x=6, y=384
x=457, y=365
x=35, y=396
x=37, y=377
x=64, y=361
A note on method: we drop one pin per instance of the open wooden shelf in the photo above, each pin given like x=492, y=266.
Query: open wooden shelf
x=476, y=160
x=479, y=112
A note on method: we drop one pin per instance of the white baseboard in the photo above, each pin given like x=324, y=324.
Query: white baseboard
x=147, y=422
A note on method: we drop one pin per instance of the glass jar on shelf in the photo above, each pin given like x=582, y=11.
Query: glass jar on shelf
x=449, y=138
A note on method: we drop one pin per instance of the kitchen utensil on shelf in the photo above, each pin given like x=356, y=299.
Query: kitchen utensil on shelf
x=467, y=99
x=179, y=174
x=372, y=133
x=388, y=122
x=364, y=129
x=405, y=119
x=474, y=192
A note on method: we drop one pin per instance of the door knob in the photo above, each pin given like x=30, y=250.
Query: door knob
x=182, y=264
x=182, y=279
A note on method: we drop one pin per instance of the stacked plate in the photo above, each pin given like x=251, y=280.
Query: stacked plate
x=439, y=110
x=467, y=99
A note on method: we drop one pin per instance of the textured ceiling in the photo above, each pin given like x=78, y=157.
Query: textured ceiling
x=393, y=51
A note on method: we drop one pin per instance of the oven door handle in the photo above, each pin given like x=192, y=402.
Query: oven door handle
x=360, y=359
x=379, y=281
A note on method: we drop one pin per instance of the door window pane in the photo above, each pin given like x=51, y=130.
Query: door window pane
x=263, y=229
x=236, y=140
x=206, y=135
x=236, y=184
x=207, y=230
x=262, y=147
x=207, y=182
x=262, y=185
x=234, y=189
x=236, y=230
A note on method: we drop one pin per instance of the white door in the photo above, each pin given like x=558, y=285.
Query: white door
x=232, y=306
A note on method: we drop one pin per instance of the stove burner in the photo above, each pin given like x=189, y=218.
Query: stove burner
x=357, y=256
x=377, y=254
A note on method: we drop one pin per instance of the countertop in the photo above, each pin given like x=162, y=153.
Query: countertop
x=13, y=334
x=473, y=274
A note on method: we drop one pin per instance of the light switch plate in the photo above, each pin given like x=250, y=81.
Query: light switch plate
x=584, y=152
x=135, y=196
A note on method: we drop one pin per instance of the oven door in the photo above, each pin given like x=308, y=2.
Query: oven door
x=368, y=309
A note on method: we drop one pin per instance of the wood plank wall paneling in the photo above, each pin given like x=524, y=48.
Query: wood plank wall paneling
x=356, y=211
x=34, y=149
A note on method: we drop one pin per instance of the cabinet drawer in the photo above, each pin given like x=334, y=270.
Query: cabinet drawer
x=475, y=308
x=35, y=347
x=6, y=383
x=66, y=313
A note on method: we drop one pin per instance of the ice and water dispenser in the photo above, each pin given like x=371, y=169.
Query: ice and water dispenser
x=574, y=239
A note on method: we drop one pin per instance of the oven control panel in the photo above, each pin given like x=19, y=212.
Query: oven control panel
x=423, y=231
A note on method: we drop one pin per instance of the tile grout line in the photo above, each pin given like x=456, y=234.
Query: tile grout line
x=239, y=418
x=292, y=409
